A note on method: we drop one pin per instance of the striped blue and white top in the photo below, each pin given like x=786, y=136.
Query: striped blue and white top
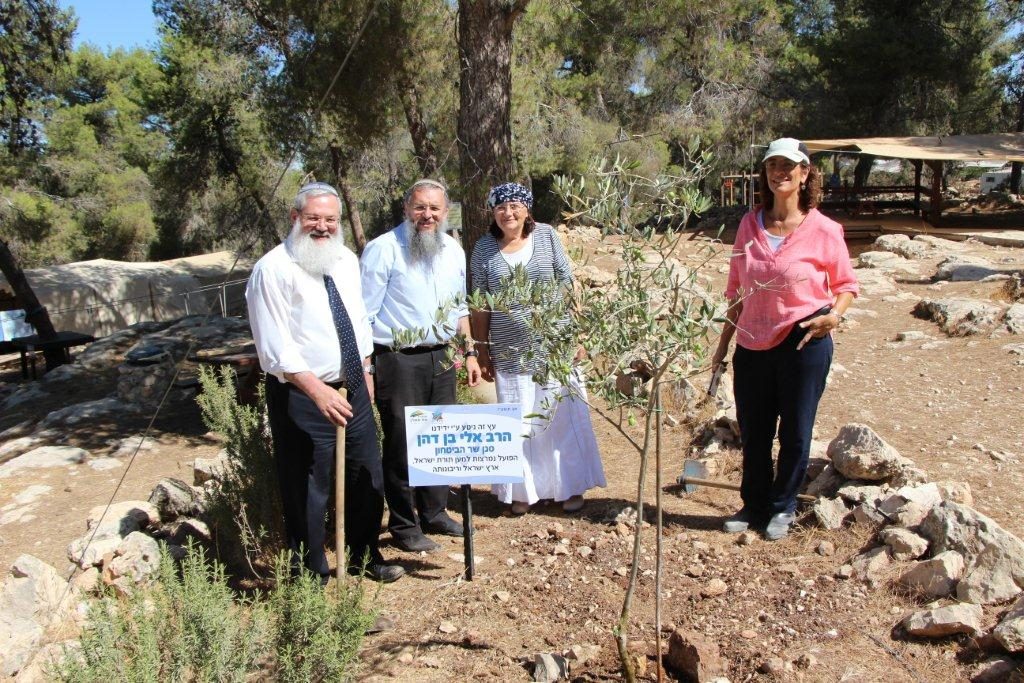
x=514, y=347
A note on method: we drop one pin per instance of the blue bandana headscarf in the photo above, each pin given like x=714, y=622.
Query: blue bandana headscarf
x=510, y=192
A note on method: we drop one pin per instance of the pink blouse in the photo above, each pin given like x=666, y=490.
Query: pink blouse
x=777, y=289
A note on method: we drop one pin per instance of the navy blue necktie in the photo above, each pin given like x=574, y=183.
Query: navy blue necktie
x=350, y=358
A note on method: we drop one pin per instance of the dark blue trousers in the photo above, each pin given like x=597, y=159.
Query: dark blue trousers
x=304, y=443
x=778, y=388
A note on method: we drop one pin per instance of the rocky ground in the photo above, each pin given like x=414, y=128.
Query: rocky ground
x=903, y=573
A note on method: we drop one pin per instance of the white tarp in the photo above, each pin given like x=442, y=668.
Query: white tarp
x=101, y=296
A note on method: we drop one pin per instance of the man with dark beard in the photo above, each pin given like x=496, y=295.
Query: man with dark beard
x=413, y=276
x=313, y=337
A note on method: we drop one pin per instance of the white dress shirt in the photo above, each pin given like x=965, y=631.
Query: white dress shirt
x=291, y=318
x=403, y=296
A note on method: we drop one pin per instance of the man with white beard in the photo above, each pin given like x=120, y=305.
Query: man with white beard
x=313, y=337
x=409, y=274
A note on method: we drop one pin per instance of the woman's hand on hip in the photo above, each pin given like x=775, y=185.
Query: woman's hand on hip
x=818, y=327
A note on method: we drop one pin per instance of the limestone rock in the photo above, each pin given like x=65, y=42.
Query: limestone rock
x=105, y=531
x=909, y=505
x=940, y=244
x=994, y=558
x=904, y=543
x=694, y=657
x=136, y=559
x=583, y=653
x=174, y=498
x=1010, y=630
x=40, y=666
x=944, y=621
x=831, y=513
x=958, y=316
x=886, y=261
x=714, y=588
x=937, y=577
x=44, y=457
x=902, y=245
x=185, y=528
x=875, y=282
x=88, y=411
x=23, y=444
x=549, y=667
x=29, y=603
x=871, y=565
x=827, y=483
x=963, y=268
x=909, y=475
x=816, y=465
x=209, y=469
x=591, y=276
x=859, y=453
x=128, y=516
x=1014, y=318
x=857, y=492
x=956, y=491
x=868, y=514
x=999, y=669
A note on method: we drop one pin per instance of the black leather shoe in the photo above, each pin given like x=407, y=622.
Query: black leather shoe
x=415, y=544
x=378, y=571
x=445, y=527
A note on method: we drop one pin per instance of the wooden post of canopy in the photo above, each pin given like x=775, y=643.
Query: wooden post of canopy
x=917, y=185
x=935, y=212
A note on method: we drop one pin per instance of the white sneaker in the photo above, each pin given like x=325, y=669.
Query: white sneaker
x=737, y=523
x=778, y=526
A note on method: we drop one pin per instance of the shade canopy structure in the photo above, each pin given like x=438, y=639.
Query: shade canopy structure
x=932, y=151
x=990, y=147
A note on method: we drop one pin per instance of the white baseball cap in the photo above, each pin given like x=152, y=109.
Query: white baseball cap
x=790, y=148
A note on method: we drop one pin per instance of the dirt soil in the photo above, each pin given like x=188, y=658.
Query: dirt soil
x=549, y=581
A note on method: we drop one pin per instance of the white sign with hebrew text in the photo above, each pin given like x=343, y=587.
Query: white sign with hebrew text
x=464, y=444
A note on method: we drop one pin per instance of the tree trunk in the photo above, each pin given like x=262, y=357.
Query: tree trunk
x=862, y=170
x=340, y=167
x=426, y=155
x=485, y=106
x=1015, y=166
x=35, y=313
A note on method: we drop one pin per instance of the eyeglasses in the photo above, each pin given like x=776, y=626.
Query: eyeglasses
x=329, y=221
x=424, y=208
x=514, y=207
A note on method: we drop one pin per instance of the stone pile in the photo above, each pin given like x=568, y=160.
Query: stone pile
x=936, y=545
x=157, y=349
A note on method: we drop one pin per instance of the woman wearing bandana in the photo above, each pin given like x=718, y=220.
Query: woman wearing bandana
x=560, y=458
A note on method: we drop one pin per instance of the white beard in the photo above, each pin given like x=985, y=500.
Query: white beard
x=425, y=246
x=316, y=257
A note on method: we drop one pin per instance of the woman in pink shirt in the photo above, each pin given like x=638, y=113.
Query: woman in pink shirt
x=790, y=281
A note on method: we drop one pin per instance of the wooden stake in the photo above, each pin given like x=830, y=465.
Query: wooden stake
x=339, y=499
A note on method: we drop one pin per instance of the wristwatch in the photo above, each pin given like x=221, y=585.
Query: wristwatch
x=370, y=369
x=469, y=353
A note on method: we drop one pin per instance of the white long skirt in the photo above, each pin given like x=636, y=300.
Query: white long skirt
x=560, y=457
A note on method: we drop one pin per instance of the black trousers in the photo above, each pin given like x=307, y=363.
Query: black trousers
x=778, y=387
x=304, y=445
x=415, y=377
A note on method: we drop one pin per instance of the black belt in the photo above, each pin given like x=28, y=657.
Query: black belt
x=409, y=350
x=337, y=385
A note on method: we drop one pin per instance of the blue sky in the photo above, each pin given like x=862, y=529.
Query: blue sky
x=110, y=24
